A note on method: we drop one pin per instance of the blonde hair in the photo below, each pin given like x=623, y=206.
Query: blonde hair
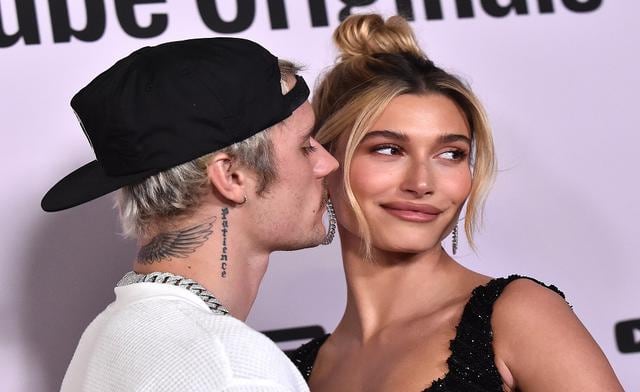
x=378, y=61
x=177, y=191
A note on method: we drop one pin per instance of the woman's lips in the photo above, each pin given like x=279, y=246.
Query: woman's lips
x=412, y=212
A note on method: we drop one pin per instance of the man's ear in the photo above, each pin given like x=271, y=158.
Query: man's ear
x=229, y=179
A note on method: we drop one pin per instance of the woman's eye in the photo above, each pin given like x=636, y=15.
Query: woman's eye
x=454, y=155
x=387, y=150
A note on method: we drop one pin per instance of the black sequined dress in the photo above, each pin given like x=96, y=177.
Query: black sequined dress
x=471, y=363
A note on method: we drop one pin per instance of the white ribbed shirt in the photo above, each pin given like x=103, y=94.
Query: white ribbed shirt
x=158, y=337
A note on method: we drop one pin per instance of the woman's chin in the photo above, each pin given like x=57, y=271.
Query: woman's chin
x=407, y=247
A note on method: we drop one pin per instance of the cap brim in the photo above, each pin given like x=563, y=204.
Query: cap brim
x=85, y=184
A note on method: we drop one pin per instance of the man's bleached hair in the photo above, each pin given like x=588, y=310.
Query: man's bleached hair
x=177, y=191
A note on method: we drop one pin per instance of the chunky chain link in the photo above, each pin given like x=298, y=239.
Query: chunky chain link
x=176, y=280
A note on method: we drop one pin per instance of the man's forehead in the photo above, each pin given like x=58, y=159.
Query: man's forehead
x=300, y=123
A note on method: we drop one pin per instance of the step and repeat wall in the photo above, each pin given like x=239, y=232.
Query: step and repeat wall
x=560, y=82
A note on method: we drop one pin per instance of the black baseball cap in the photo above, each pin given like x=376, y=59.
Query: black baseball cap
x=165, y=105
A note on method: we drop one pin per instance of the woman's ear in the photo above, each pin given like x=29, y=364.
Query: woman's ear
x=229, y=179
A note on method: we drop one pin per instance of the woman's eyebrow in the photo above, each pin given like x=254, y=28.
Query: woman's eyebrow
x=396, y=135
x=400, y=136
x=454, y=137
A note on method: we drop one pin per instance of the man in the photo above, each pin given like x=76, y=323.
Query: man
x=209, y=142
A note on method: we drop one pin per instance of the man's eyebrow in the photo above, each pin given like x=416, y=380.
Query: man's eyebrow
x=387, y=134
x=306, y=135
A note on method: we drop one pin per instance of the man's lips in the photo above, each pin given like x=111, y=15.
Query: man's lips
x=412, y=211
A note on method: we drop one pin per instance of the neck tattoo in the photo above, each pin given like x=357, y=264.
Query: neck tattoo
x=176, y=244
x=223, y=255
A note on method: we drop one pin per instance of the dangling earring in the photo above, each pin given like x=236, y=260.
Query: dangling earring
x=454, y=239
x=331, y=232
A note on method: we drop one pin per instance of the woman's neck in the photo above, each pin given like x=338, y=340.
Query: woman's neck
x=395, y=288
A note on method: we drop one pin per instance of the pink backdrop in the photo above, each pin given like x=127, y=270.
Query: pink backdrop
x=559, y=79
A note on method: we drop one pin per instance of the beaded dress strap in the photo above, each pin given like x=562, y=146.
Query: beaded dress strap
x=305, y=356
x=472, y=363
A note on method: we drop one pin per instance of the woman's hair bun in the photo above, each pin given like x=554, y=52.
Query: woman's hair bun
x=368, y=34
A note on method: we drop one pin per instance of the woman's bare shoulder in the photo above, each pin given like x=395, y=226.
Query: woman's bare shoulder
x=541, y=341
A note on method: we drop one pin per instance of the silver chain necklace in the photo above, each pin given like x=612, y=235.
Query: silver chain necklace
x=176, y=280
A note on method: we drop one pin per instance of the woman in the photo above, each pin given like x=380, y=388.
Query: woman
x=415, y=148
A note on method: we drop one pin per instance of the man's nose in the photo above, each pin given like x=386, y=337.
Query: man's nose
x=326, y=162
